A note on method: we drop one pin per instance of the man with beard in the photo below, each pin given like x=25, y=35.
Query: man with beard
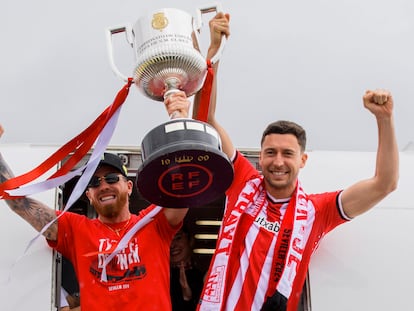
x=137, y=278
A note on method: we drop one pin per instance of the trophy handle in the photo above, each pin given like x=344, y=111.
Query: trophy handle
x=208, y=9
x=110, y=32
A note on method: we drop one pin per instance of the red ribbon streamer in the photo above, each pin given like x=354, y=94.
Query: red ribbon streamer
x=205, y=94
x=79, y=145
x=83, y=142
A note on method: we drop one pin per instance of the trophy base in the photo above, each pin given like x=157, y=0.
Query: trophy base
x=185, y=167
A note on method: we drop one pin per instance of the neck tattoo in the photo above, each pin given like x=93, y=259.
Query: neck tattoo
x=117, y=230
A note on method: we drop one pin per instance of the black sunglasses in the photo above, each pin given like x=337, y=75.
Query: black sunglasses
x=110, y=178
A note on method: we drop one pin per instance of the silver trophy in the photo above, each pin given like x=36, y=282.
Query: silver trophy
x=167, y=52
x=183, y=165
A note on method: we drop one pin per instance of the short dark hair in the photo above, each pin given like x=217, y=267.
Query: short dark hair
x=286, y=127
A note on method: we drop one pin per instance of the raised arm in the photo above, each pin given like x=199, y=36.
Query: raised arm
x=178, y=106
x=365, y=194
x=219, y=27
x=34, y=212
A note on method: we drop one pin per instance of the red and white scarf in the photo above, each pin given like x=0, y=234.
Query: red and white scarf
x=287, y=246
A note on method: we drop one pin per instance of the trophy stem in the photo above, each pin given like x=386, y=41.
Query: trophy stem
x=171, y=84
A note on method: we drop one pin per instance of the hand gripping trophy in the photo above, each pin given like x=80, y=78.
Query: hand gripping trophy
x=183, y=165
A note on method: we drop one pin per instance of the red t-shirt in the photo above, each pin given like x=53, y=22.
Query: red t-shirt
x=245, y=283
x=138, y=276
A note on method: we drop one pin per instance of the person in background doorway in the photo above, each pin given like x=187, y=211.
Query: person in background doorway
x=186, y=279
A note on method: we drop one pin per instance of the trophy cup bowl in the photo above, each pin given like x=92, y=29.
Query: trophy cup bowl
x=183, y=165
x=166, y=50
x=169, y=67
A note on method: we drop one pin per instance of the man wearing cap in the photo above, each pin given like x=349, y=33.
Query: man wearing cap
x=137, y=277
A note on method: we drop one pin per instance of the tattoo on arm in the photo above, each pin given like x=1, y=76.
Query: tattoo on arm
x=34, y=212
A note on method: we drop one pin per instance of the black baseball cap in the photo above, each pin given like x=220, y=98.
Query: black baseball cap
x=114, y=161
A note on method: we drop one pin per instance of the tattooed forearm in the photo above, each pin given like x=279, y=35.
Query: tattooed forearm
x=5, y=172
x=33, y=211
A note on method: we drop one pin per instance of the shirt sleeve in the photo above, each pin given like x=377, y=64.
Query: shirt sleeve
x=328, y=209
